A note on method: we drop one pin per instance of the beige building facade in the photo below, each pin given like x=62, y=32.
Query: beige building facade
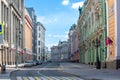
x=28, y=37
x=113, y=18
x=11, y=41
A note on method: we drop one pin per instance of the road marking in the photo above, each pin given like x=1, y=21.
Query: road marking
x=65, y=78
x=31, y=78
x=49, y=78
x=37, y=78
x=43, y=76
x=19, y=78
x=56, y=78
x=25, y=78
x=5, y=79
x=46, y=78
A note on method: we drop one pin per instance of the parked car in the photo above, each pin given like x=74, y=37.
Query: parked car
x=38, y=62
x=34, y=63
x=28, y=64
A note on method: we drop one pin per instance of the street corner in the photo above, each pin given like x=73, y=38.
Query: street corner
x=13, y=70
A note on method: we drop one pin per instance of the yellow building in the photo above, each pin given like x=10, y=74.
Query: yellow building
x=28, y=37
x=113, y=18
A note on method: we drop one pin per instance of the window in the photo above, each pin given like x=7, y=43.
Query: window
x=38, y=42
x=39, y=50
x=39, y=34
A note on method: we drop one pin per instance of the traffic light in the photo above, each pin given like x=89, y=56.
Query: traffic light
x=1, y=28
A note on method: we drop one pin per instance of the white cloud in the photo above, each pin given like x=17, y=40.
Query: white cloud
x=59, y=36
x=50, y=45
x=49, y=35
x=65, y=2
x=66, y=32
x=77, y=4
x=53, y=20
x=41, y=19
x=46, y=20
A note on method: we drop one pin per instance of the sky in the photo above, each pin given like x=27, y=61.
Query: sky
x=57, y=16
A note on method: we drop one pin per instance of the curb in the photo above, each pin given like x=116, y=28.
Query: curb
x=77, y=75
x=80, y=76
x=71, y=73
x=13, y=72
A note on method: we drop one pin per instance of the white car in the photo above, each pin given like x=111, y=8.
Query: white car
x=28, y=64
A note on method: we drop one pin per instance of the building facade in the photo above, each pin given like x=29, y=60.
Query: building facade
x=28, y=55
x=55, y=56
x=92, y=32
x=47, y=54
x=74, y=42
x=11, y=40
x=63, y=48
x=60, y=52
x=113, y=18
x=70, y=34
x=40, y=41
x=31, y=12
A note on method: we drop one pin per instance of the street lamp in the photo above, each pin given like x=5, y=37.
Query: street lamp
x=96, y=43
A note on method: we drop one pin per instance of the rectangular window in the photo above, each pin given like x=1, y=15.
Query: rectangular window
x=5, y=16
x=14, y=31
x=7, y=25
x=38, y=50
x=2, y=11
x=38, y=42
x=39, y=34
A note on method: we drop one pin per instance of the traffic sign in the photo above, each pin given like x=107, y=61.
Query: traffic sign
x=1, y=28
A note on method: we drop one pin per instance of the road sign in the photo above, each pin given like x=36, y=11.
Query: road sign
x=1, y=28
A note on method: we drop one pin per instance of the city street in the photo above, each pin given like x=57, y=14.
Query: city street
x=60, y=71
x=47, y=71
x=59, y=40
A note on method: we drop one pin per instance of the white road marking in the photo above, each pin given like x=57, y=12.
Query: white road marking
x=19, y=78
x=5, y=79
x=42, y=76
x=31, y=78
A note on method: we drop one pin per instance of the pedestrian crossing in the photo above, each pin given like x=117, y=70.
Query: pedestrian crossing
x=48, y=78
x=4, y=79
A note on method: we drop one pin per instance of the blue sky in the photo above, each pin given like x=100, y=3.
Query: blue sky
x=57, y=16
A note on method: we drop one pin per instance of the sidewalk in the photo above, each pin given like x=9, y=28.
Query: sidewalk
x=6, y=75
x=9, y=70
x=90, y=72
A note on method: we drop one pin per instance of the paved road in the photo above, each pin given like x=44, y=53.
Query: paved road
x=50, y=71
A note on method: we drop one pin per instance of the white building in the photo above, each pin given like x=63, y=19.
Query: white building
x=40, y=41
x=63, y=48
x=55, y=56
x=47, y=54
x=60, y=52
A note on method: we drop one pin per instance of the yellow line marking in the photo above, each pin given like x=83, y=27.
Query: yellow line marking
x=25, y=78
x=37, y=78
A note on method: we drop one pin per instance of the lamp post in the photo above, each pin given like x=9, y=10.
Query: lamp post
x=96, y=43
